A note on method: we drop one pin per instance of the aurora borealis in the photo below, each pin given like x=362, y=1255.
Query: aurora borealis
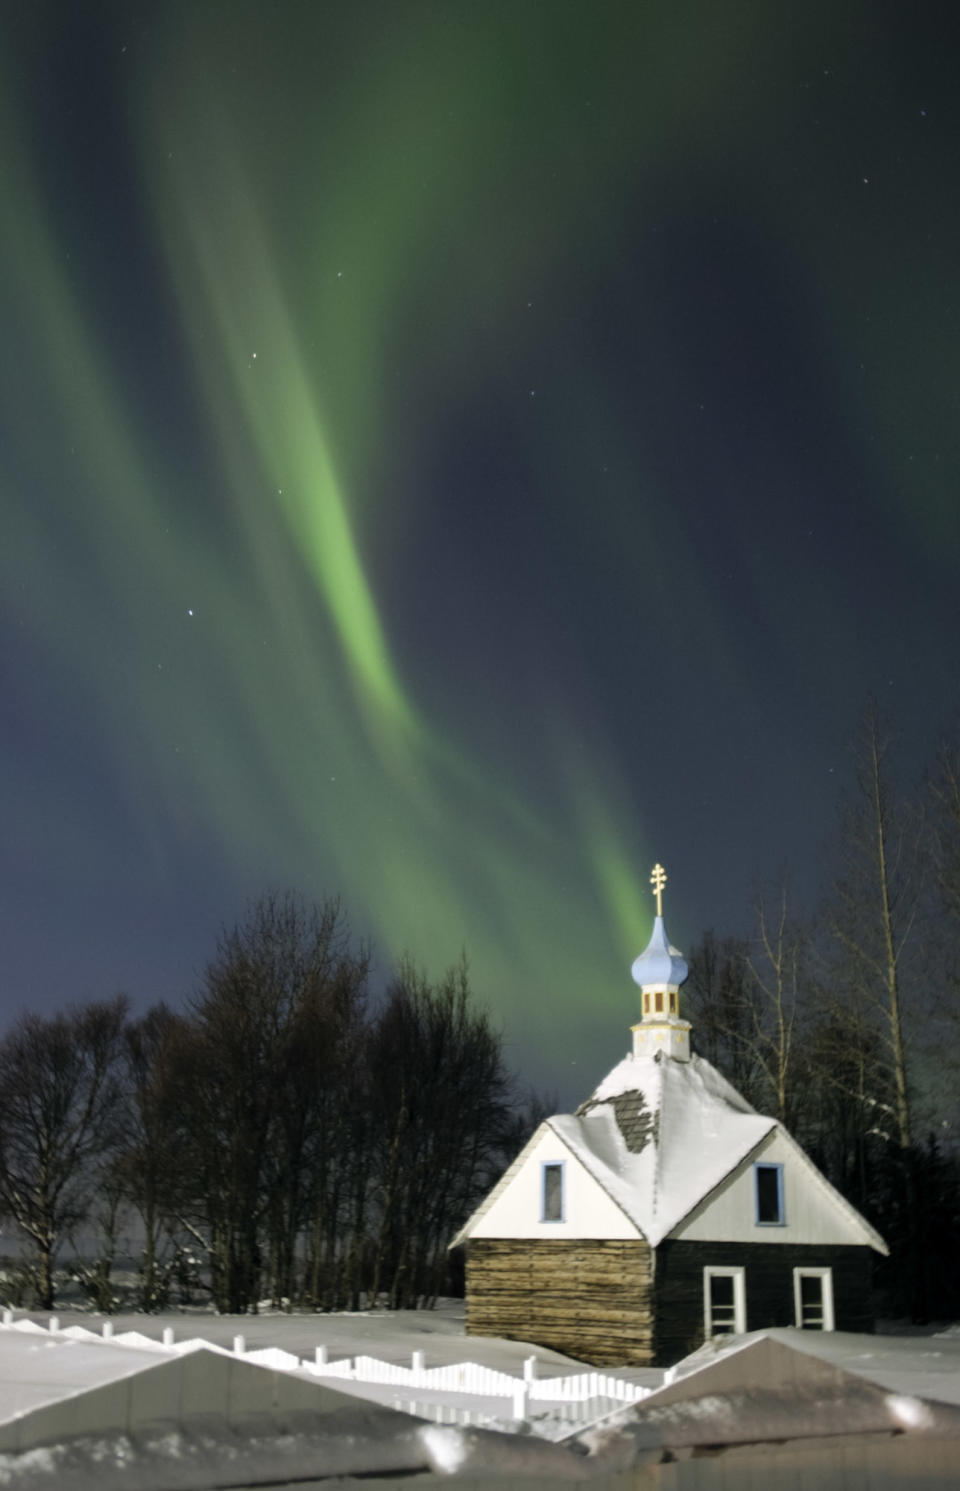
x=452, y=455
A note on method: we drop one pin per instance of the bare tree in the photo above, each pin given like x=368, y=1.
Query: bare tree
x=60, y=1124
x=945, y=844
x=250, y=1036
x=316, y=1176
x=151, y=1162
x=876, y=901
x=714, y=1001
x=441, y=1115
x=775, y=969
x=873, y=919
x=849, y=1110
x=743, y=998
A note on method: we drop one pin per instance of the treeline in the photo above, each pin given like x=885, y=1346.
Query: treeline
x=844, y=1024
x=284, y=1138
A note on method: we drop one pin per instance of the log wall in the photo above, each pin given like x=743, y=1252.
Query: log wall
x=589, y=1299
x=769, y=1287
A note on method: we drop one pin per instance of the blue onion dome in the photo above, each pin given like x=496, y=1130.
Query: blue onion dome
x=660, y=962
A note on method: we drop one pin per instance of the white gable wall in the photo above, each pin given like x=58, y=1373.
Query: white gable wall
x=588, y=1210
x=812, y=1212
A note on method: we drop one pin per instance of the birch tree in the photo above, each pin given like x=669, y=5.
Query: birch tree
x=775, y=968
x=742, y=997
x=875, y=903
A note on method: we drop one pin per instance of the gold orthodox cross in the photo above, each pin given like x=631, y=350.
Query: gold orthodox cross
x=658, y=880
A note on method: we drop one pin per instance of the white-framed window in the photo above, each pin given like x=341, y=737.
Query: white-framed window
x=768, y=1195
x=724, y=1302
x=813, y=1298
x=553, y=1200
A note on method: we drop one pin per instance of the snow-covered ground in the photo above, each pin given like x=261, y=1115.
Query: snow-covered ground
x=392, y=1335
x=92, y=1414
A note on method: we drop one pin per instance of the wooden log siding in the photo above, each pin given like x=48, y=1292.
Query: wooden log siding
x=768, y=1277
x=591, y=1300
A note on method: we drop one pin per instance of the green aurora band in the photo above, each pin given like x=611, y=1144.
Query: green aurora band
x=314, y=760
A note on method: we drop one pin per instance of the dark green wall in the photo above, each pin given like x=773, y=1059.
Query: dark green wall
x=678, y=1287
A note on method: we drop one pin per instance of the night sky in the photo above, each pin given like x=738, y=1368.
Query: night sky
x=453, y=455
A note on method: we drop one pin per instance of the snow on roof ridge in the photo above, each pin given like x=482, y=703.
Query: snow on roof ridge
x=624, y=1077
x=715, y=1084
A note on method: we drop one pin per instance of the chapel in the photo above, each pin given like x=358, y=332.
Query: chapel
x=664, y=1212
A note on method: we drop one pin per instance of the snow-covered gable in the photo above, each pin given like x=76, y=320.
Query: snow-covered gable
x=814, y=1211
x=514, y=1207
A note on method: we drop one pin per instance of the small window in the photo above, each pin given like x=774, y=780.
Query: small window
x=673, y=1002
x=658, y=996
x=552, y=1193
x=724, y=1302
x=646, y=1004
x=769, y=1195
x=813, y=1298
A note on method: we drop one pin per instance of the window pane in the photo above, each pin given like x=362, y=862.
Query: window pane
x=768, y=1193
x=723, y=1309
x=553, y=1193
x=721, y=1290
x=811, y=1302
x=811, y=1289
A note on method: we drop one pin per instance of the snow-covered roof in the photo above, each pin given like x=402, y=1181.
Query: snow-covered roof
x=659, y=1135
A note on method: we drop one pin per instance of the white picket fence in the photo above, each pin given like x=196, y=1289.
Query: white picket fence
x=572, y=1398
x=480, y=1381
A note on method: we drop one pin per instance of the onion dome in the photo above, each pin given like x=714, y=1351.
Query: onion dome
x=660, y=962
